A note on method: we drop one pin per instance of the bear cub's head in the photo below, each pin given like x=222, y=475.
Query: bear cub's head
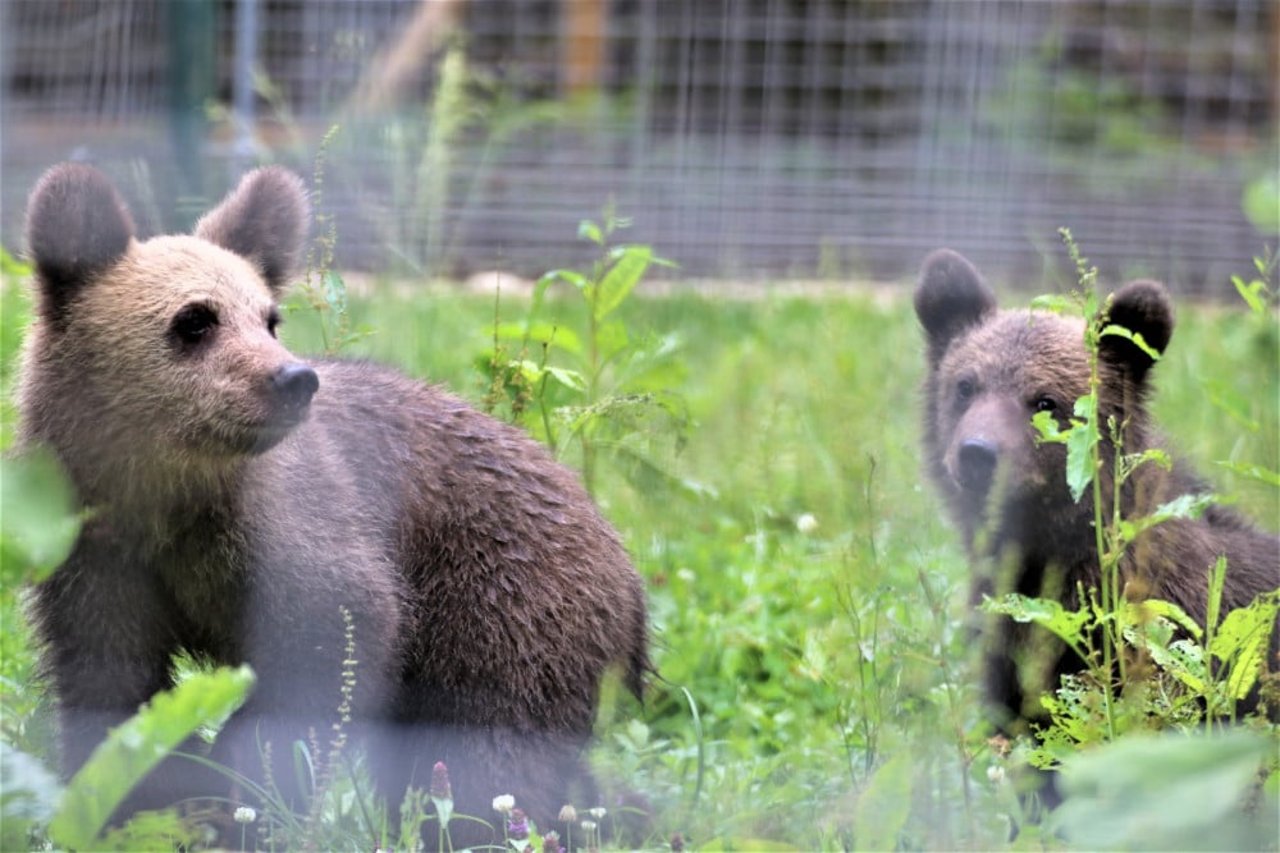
x=990, y=371
x=168, y=344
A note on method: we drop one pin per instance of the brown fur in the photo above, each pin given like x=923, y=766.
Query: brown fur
x=988, y=372
x=236, y=522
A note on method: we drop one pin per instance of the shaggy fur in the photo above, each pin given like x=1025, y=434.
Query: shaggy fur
x=248, y=505
x=989, y=371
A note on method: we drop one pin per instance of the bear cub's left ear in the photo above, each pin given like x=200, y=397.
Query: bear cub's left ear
x=264, y=219
x=1142, y=307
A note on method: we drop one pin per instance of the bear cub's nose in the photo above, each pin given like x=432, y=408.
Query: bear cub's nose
x=977, y=464
x=294, y=384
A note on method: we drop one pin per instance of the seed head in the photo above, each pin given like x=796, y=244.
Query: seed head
x=244, y=814
x=568, y=814
x=440, y=788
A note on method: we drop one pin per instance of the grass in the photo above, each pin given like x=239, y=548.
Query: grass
x=809, y=601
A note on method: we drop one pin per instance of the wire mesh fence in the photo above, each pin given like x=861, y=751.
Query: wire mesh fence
x=747, y=139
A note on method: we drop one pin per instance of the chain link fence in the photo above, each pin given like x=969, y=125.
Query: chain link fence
x=747, y=139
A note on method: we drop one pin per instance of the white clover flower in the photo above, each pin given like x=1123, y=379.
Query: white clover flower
x=806, y=523
x=504, y=804
x=244, y=814
x=995, y=773
x=588, y=825
x=598, y=812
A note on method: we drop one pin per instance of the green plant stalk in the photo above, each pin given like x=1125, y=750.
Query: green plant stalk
x=593, y=366
x=1118, y=543
x=702, y=751
x=543, y=409
x=1102, y=535
x=1217, y=578
x=938, y=609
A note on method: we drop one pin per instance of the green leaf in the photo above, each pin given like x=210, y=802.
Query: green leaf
x=1166, y=793
x=1185, y=506
x=1056, y=303
x=742, y=845
x=1045, y=612
x=573, y=277
x=1175, y=614
x=38, y=517
x=28, y=794
x=1241, y=641
x=885, y=805
x=11, y=266
x=1252, y=293
x=1112, y=330
x=1260, y=202
x=1080, y=443
x=561, y=337
x=133, y=748
x=1047, y=430
x=1253, y=472
x=335, y=292
x=629, y=265
x=1182, y=659
x=571, y=379
x=611, y=339
x=588, y=230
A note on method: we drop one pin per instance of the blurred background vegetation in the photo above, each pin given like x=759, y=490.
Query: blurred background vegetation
x=750, y=139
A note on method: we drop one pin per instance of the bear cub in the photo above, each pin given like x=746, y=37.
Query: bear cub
x=988, y=372
x=250, y=506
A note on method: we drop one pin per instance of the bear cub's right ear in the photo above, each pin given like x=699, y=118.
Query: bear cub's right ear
x=950, y=298
x=77, y=226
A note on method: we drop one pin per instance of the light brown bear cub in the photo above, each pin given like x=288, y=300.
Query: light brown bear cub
x=249, y=507
x=989, y=372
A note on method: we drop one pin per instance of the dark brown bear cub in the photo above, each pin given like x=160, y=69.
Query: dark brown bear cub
x=989, y=372
x=252, y=507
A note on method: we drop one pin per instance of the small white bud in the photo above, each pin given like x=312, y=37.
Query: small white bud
x=806, y=523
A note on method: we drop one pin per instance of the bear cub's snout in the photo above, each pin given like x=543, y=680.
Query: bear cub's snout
x=293, y=385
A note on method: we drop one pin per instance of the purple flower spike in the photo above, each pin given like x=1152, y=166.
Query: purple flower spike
x=518, y=825
x=440, y=788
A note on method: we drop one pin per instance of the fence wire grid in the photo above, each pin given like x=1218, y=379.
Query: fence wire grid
x=749, y=140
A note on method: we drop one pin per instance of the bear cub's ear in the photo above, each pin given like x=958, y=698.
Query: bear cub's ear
x=264, y=219
x=950, y=298
x=77, y=226
x=1142, y=307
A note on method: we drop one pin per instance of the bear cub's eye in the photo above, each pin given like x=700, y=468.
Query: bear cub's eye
x=965, y=389
x=192, y=324
x=1045, y=403
x=273, y=321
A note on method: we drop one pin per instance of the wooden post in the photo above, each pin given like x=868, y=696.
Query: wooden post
x=583, y=26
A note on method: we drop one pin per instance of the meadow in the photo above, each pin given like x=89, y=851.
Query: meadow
x=816, y=685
